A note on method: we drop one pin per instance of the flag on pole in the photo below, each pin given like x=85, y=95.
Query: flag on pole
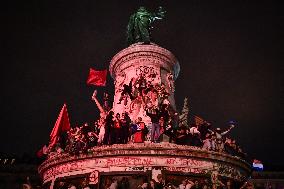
x=62, y=124
x=198, y=120
x=97, y=77
x=257, y=165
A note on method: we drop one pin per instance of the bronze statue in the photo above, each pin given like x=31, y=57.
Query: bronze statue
x=140, y=24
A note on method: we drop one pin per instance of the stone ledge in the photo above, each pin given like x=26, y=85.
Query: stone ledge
x=146, y=149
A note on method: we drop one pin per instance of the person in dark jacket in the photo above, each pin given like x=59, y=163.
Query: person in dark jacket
x=108, y=127
x=155, y=131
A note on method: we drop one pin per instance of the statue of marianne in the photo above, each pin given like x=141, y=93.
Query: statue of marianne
x=140, y=25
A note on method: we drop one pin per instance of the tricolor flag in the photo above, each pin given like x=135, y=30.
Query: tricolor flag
x=97, y=77
x=257, y=165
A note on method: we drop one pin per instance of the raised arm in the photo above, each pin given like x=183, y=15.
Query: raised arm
x=94, y=98
x=225, y=132
x=212, y=132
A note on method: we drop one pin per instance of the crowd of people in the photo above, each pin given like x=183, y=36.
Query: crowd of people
x=118, y=128
x=165, y=125
x=160, y=182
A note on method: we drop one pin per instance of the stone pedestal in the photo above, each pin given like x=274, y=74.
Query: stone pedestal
x=156, y=64
x=141, y=158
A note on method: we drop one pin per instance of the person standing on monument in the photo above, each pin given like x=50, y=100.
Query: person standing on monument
x=106, y=102
x=109, y=124
x=101, y=125
x=153, y=113
x=218, y=137
x=116, y=134
x=125, y=123
x=139, y=134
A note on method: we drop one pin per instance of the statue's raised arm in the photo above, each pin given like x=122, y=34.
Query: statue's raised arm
x=140, y=25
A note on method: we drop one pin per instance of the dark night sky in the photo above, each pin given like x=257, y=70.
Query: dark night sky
x=228, y=53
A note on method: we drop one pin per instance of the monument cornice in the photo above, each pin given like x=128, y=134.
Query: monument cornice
x=164, y=58
x=146, y=150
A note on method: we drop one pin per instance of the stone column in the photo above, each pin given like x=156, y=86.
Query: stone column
x=156, y=64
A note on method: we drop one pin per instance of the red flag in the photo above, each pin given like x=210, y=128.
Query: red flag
x=97, y=78
x=256, y=161
x=62, y=124
x=39, y=153
x=42, y=151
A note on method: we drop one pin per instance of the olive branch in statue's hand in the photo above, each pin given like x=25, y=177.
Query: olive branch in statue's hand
x=161, y=12
x=159, y=15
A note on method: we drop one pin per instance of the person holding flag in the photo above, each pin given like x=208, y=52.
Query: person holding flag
x=62, y=125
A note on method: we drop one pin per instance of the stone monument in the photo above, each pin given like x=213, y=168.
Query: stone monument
x=144, y=76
